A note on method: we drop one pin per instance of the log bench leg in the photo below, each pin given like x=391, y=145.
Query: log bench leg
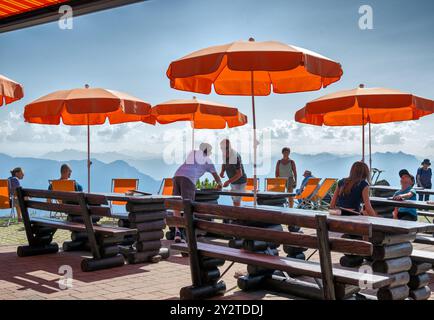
x=393, y=258
x=148, y=219
x=41, y=242
x=295, y=252
x=419, y=281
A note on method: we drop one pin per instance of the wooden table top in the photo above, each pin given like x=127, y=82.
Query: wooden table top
x=136, y=197
x=391, y=188
x=260, y=194
x=378, y=224
x=421, y=205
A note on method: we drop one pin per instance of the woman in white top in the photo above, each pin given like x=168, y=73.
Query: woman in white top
x=285, y=168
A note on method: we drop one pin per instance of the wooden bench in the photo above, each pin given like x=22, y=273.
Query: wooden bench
x=337, y=282
x=102, y=240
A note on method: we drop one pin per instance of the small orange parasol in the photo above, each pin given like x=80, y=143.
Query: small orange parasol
x=10, y=90
x=87, y=106
x=363, y=106
x=202, y=114
x=252, y=68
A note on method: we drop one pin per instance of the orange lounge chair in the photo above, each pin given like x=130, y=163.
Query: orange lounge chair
x=122, y=185
x=5, y=199
x=61, y=185
x=318, y=199
x=249, y=187
x=275, y=184
x=166, y=187
x=304, y=199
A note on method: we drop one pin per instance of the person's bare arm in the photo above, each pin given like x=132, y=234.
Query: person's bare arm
x=237, y=175
x=222, y=171
x=294, y=170
x=404, y=196
x=334, y=199
x=217, y=179
x=277, y=170
x=368, y=207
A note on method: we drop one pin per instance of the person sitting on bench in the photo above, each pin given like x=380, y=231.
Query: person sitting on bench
x=17, y=174
x=406, y=193
x=352, y=191
x=195, y=166
x=65, y=174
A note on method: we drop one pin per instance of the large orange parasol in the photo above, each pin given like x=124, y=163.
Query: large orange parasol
x=10, y=90
x=87, y=106
x=202, y=114
x=363, y=106
x=252, y=68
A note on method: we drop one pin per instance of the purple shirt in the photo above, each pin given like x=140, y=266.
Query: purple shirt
x=14, y=183
x=195, y=166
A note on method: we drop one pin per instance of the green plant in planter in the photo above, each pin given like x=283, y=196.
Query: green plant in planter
x=206, y=184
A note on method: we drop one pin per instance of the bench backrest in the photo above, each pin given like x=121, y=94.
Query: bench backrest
x=245, y=226
x=72, y=203
x=201, y=212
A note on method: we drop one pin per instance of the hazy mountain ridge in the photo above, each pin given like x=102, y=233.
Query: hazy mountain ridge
x=39, y=171
x=151, y=168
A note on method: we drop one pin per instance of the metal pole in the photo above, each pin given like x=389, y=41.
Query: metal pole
x=254, y=140
x=370, y=148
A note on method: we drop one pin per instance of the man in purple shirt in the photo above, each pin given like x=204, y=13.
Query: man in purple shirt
x=195, y=166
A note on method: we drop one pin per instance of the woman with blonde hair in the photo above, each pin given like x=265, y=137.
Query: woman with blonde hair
x=353, y=191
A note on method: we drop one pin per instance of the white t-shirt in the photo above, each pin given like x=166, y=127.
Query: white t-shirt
x=195, y=166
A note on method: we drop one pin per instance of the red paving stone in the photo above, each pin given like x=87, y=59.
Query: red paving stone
x=37, y=278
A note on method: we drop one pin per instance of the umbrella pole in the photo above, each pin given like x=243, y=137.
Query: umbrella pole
x=370, y=148
x=192, y=138
x=88, y=155
x=254, y=141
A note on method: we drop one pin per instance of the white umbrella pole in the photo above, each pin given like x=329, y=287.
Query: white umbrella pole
x=192, y=139
x=254, y=142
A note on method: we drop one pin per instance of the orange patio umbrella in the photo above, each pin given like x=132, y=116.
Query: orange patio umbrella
x=253, y=69
x=87, y=106
x=363, y=106
x=10, y=90
x=202, y=114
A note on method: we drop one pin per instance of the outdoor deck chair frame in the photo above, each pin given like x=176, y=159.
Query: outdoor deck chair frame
x=166, y=184
x=317, y=200
x=309, y=191
x=61, y=185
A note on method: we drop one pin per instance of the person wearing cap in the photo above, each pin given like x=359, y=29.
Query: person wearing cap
x=307, y=176
x=423, y=178
x=406, y=193
x=198, y=163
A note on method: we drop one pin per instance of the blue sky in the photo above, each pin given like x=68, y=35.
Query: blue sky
x=130, y=48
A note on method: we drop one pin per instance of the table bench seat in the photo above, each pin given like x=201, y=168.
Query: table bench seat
x=424, y=239
x=74, y=226
x=292, y=266
x=422, y=256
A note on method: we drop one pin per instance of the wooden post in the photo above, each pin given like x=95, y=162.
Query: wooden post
x=325, y=257
x=26, y=217
x=192, y=244
x=89, y=227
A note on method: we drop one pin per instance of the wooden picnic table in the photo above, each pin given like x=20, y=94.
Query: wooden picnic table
x=421, y=205
x=146, y=213
x=391, y=188
x=392, y=240
x=260, y=194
